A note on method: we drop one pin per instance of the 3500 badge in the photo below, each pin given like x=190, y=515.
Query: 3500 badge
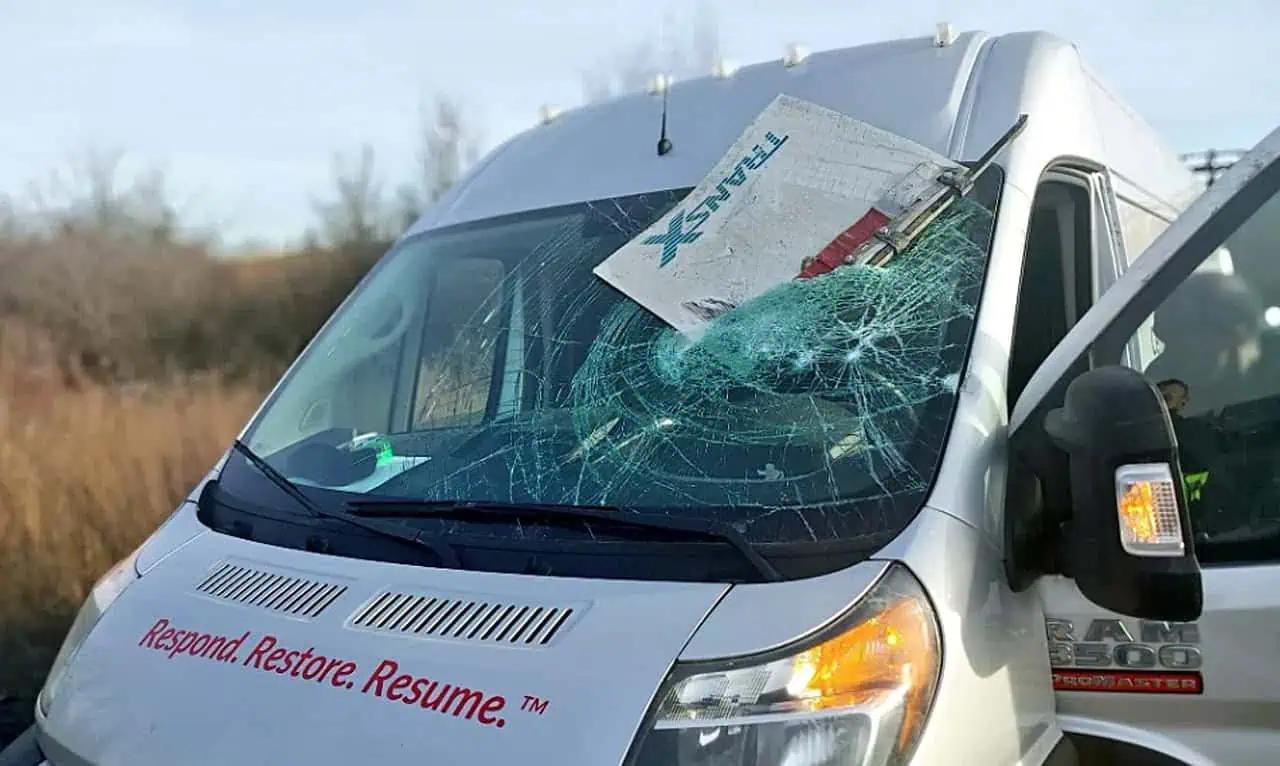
x=1106, y=656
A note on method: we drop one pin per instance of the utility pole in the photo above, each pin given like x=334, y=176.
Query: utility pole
x=1212, y=163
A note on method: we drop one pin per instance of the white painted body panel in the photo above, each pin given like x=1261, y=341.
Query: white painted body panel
x=130, y=704
x=1236, y=719
x=565, y=160
x=994, y=704
x=778, y=614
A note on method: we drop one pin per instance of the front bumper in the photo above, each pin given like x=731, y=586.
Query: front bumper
x=23, y=751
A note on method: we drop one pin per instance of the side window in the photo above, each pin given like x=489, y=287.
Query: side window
x=1218, y=366
x=462, y=327
x=1057, y=281
x=1140, y=228
x=1139, y=225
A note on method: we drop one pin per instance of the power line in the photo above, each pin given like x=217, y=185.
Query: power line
x=1212, y=163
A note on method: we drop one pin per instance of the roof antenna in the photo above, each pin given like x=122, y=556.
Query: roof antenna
x=664, y=143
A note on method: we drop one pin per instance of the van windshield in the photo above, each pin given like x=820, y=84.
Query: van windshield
x=485, y=362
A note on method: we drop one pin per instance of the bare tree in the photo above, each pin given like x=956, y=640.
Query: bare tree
x=11, y=227
x=448, y=146
x=356, y=215
x=151, y=206
x=94, y=194
x=360, y=213
x=682, y=47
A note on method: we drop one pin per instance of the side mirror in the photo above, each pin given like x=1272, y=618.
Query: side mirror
x=1128, y=543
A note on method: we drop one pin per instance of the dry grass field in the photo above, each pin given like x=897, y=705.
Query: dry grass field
x=125, y=370
x=86, y=472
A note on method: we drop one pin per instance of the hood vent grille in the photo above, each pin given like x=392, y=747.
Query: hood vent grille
x=281, y=593
x=493, y=621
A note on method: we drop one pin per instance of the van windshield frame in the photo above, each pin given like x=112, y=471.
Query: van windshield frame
x=804, y=446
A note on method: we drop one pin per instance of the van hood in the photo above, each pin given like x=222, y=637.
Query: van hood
x=230, y=651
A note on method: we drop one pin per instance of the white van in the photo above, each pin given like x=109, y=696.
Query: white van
x=923, y=509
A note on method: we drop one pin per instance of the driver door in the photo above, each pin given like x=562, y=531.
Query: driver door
x=1199, y=315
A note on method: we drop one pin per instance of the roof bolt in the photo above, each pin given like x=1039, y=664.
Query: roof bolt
x=796, y=54
x=659, y=84
x=547, y=113
x=723, y=68
x=944, y=35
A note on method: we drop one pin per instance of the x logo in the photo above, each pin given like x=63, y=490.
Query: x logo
x=674, y=238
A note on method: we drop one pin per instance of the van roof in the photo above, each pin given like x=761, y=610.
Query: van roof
x=909, y=87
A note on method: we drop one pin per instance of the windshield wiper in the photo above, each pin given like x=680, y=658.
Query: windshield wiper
x=390, y=507
x=905, y=227
x=448, y=556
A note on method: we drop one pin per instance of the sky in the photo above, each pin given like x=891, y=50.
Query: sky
x=242, y=104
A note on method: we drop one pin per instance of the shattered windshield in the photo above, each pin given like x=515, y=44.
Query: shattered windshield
x=486, y=362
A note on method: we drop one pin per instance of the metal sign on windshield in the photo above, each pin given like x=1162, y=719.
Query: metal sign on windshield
x=800, y=181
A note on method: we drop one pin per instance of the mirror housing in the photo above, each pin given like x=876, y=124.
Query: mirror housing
x=1113, y=420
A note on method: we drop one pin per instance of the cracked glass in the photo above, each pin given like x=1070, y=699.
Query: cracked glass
x=485, y=362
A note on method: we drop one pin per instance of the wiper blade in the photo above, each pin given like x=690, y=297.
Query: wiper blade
x=448, y=556
x=389, y=507
x=276, y=478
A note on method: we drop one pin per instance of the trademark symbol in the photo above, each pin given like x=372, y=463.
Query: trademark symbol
x=533, y=704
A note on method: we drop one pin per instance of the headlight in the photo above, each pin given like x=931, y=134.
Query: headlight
x=859, y=694
x=104, y=592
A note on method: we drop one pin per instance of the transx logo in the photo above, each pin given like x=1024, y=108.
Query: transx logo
x=685, y=228
x=674, y=238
